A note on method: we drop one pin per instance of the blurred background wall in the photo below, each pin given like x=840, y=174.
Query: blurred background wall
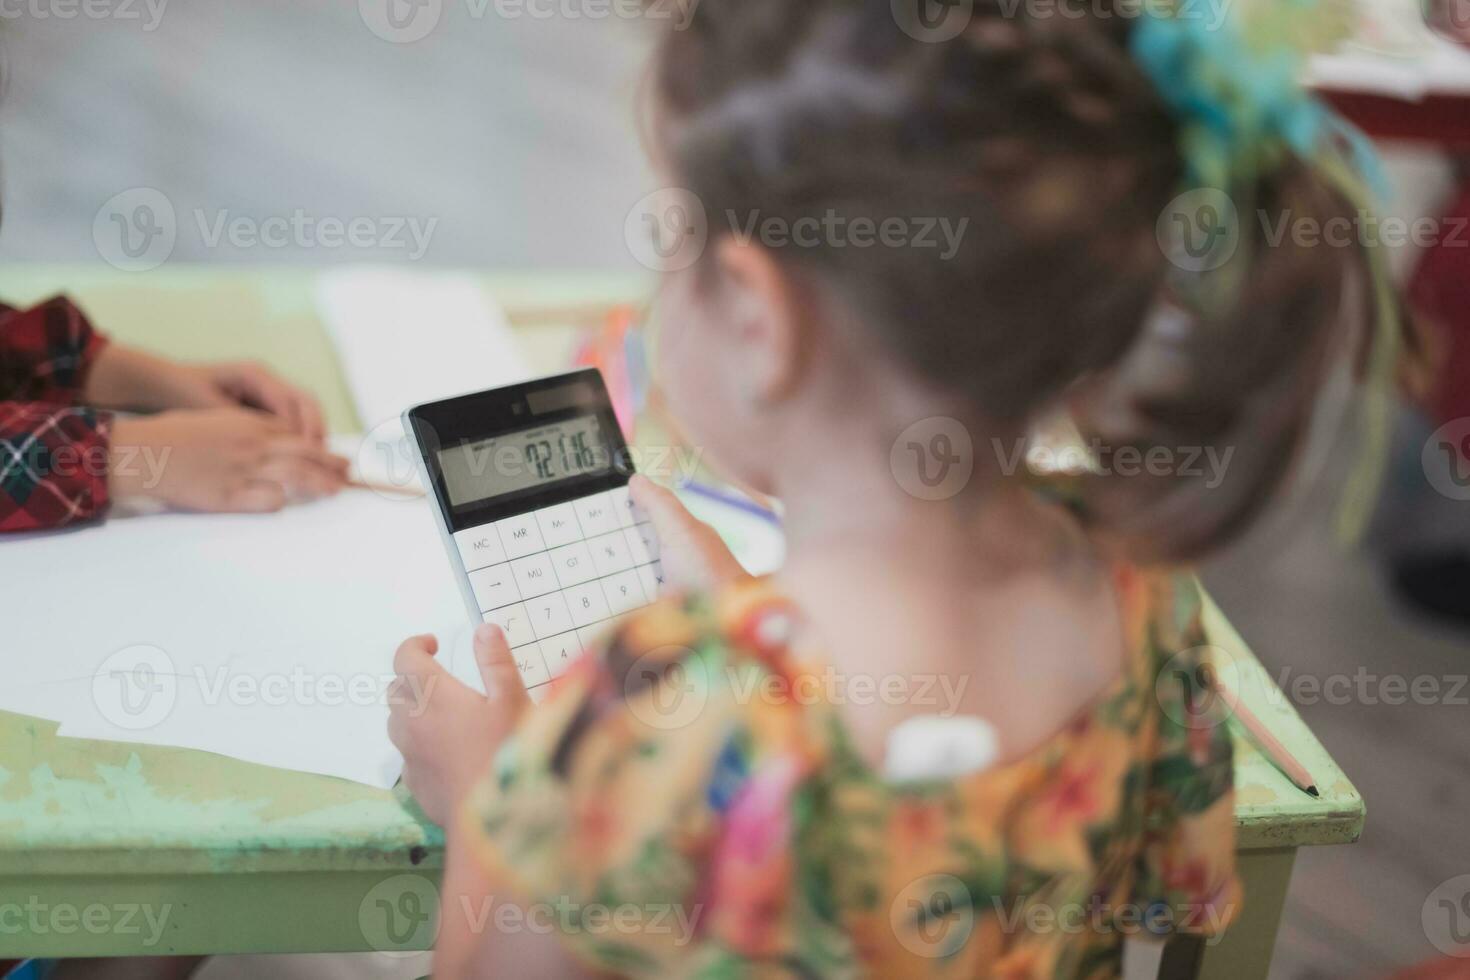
x=518, y=136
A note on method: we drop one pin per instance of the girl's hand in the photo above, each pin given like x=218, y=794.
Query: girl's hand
x=132, y=379
x=694, y=555
x=446, y=731
x=229, y=459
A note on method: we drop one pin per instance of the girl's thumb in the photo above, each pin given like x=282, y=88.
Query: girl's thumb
x=497, y=667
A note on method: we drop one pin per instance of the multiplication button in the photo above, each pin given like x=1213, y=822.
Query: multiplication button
x=652, y=579
x=479, y=547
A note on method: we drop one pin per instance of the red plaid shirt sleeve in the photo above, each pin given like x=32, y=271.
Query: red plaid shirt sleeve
x=53, y=451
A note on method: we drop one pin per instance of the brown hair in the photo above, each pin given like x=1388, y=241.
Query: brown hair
x=1045, y=134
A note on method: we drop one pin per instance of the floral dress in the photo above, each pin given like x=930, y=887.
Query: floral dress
x=690, y=804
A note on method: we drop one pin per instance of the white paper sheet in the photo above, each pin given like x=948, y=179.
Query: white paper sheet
x=267, y=638
x=404, y=338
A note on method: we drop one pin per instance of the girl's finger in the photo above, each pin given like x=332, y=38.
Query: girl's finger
x=498, y=668
x=415, y=655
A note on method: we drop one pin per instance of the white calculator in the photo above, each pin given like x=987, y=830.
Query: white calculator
x=531, y=485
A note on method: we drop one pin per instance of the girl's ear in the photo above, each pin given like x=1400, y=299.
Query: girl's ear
x=765, y=309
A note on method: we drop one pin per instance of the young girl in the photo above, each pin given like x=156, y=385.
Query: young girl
x=966, y=730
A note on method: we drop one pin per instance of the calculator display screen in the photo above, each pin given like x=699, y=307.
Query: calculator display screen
x=524, y=459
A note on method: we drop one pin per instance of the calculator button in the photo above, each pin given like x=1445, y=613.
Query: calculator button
x=538, y=694
x=515, y=622
x=573, y=564
x=624, y=592
x=479, y=547
x=559, y=525
x=560, y=652
x=586, y=603
x=494, y=587
x=534, y=575
x=642, y=542
x=549, y=614
x=610, y=553
x=651, y=577
x=622, y=504
x=596, y=514
x=531, y=665
x=521, y=535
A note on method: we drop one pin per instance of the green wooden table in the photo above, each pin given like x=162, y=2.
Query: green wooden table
x=107, y=848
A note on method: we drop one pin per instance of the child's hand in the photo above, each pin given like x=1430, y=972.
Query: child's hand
x=694, y=555
x=253, y=385
x=447, y=732
x=132, y=379
x=231, y=459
